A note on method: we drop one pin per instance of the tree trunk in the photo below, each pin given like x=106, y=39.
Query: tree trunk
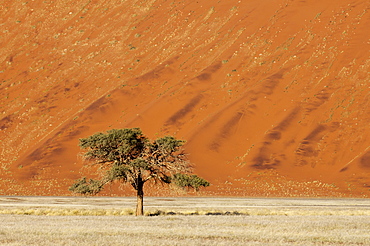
x=140, y=197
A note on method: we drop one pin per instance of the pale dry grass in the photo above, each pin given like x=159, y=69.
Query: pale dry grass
x=67, y=212
x=184, y=221
x=184, y=230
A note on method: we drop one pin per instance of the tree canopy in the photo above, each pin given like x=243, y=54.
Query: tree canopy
x=130, y=157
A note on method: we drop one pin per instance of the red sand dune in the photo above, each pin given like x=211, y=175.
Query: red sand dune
x=272, y=96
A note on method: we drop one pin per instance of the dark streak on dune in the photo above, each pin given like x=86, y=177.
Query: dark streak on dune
x=156, y=72
x=6, y=122
x=207, y=73
x=226, y=131
x=365, y=160
x=266, y=158
x=180, y=114
x=308, y=146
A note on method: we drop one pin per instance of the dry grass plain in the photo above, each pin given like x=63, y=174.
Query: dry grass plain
x=184, y=221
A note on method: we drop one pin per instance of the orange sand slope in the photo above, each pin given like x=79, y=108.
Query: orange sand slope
x=272, y=96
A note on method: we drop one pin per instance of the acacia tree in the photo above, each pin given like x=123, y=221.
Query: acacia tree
x=130, y=157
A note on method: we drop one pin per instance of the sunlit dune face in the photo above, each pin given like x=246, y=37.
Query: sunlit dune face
x=272, y=98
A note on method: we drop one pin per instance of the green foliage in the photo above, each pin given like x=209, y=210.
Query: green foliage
x=190, y=181
x=130, y=157
x=126, y=154
x=115, y=145
x=168, y=144
x=84, y=187
x=117, y=172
